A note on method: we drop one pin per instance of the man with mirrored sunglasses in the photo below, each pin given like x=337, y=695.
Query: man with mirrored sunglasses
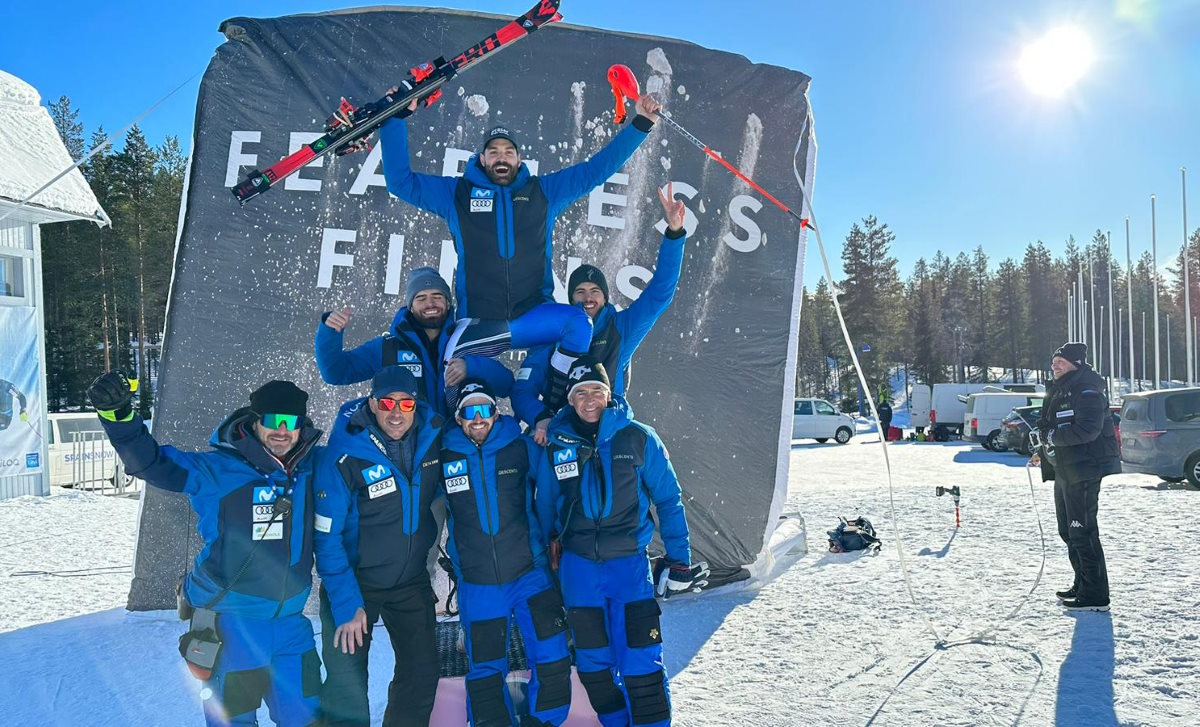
x=374, y=532
x=253, y=494
x=499, y=558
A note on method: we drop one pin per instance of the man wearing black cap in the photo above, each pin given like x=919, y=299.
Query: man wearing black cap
x=502, y=219
x=253, y=496
x=374, y=530
x=600, y=474
x=616, y=334
x=416, y=340
x=499, y=558
x=1078, y=448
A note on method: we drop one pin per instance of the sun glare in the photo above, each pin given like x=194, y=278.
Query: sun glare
x=1053, y=63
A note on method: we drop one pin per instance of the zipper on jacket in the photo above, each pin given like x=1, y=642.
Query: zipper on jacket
x=510, y=249
x=287, y=561
x=600, y=501
x=487, y=515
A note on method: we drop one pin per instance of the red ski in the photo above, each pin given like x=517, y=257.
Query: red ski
x=349, y=124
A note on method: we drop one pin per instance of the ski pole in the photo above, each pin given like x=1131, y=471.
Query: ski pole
x=625, y=85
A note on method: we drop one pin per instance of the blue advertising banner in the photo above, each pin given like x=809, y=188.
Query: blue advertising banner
x=20, y=400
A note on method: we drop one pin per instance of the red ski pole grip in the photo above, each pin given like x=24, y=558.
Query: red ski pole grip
x=624, y=85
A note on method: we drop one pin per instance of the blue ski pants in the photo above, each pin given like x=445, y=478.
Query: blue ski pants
x=614, y=620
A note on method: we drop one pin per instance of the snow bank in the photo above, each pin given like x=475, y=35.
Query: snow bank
x=32, y=153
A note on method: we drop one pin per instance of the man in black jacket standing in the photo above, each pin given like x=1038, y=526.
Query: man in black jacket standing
x=1079, y=447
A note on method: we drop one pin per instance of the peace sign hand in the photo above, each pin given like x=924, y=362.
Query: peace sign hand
x=674, y=208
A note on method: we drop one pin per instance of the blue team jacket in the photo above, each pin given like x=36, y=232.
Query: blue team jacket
x=502, y=233
x=494, y=537
x=233, y=489
x=404, y=344
x=616, y=335
x=374, y=526
x=596, y=497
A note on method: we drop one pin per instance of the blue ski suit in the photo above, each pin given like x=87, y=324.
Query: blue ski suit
x=594, y=496
x=405, y=343
x=255, y=570
x=616, y=334
x=499, y=558
x=374, y=531
x=503, y=233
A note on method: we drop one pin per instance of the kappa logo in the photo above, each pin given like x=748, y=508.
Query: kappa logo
x=453, y=469
x=1076, y=524
x=264, y=494
x=375, y=474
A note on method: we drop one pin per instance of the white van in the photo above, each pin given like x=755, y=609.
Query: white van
x=79, y=451
x=817, y=419
x=949, y=403
x=919, y=406
x=981, y=422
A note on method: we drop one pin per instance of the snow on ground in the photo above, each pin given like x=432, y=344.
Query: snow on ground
x=833, y=639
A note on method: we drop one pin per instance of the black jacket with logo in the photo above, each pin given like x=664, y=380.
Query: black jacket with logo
x=1079, y=439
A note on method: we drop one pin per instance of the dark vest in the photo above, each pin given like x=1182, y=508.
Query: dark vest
x=504, y=248
x=591, y=488
x=395, y=524
x=490, y=552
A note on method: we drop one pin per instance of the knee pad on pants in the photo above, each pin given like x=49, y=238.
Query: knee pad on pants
x=554, y=680
x=546, y=610
x=244, y=690
x=310, y=673
x=601, y=691
x=489, y=640
x=648, y=698
x=488, y=708
x=642, y=626
x=587, y=622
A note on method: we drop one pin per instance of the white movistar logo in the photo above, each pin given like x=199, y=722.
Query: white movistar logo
x=376, y=471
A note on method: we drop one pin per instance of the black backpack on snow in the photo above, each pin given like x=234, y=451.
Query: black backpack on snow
x=856, y=534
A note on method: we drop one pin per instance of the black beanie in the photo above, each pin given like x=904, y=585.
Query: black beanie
x=424, y=279
x=587, y=274
x=1074, y=351
x=473, y=387
x=587, y=370
x=279, y=397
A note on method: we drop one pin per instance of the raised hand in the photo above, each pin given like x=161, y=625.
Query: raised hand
x=674, y=208
x=648, y=107
x=339, y=319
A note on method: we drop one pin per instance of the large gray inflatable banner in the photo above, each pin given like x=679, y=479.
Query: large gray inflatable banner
x=714, y=378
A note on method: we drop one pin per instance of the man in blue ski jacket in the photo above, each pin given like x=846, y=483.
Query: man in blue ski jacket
x=416, y=340
x=616, y=335
x=374, y=530
x=599, y=476
x=253, y=494
x=499, y=558
x=502, y=220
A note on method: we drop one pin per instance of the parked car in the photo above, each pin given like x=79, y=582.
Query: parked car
x=78, y=449
x=1160, y=434
x=1015, y=428
x=984, y=412
x=817, y=419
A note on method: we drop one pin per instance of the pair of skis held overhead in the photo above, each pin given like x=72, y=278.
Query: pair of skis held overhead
x=348, y=129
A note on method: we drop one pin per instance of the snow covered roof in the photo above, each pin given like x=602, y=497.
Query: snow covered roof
x=32, y=153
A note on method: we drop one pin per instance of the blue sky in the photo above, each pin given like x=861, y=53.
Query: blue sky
x=922, y=119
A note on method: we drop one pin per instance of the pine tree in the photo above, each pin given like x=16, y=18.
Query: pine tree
x=870, y=298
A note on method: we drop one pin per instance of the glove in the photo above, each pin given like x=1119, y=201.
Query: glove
x=112, y=395
x=24, y=415
x=679, y=578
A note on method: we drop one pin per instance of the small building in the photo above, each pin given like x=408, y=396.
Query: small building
x=32, y=156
